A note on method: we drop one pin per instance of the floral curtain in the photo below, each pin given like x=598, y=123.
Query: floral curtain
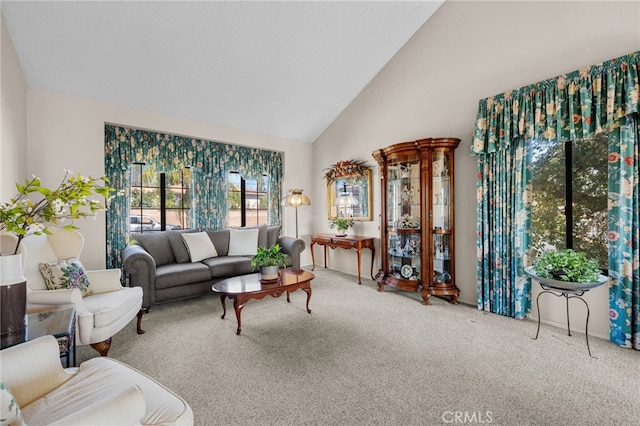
x=624, y=220
x=504, y=216
x=210, y=164
x=600, y=98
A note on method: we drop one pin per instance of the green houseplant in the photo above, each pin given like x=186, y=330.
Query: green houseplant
x=341, y=224
x=567, y=265
x=34, y=206
x=566, y=269
x=268, y=260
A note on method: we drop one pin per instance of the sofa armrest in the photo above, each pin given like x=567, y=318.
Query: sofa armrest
x=127, y=407
x=293, y=247
x=141, y=267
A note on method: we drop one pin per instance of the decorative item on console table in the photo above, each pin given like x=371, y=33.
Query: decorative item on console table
x=417, y=232
x=268, y=260
x=342, y=225
x=23, y=216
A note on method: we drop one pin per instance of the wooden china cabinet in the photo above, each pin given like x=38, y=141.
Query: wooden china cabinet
x=417, y=240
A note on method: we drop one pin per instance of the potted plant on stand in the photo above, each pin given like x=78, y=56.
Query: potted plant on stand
x=342, y=225
x=268, y=260
x=566, y=269
x=30, y=212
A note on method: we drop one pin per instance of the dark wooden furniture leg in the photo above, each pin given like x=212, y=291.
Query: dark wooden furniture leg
x=308, y=291
x=238, y=308
x=224, y=307
x=139, y=324
x=373, y=256
x=102, y=347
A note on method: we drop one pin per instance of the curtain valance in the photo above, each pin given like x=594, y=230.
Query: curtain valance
x=125, y=146
x=572, y=106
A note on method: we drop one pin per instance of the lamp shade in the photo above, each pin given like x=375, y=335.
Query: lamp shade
x=296, y=198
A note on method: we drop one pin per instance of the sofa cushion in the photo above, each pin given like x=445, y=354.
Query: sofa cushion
x=111, y=307
x=273, y=232
x=229, y=266
x=65, y=274
x=157, y=245
x=102, y=376
x=184, y=273
x=220, y=239
x=177, y=244
x=199, y=246
x=243, y=242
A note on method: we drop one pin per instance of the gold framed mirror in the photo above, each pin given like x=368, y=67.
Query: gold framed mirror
x=350, y=196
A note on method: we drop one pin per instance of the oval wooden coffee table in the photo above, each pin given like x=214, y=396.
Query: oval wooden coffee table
x=246, y=287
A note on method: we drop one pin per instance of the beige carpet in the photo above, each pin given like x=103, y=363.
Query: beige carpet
x=369, y=358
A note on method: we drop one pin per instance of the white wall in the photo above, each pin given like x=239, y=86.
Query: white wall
x=468, y=51
x=67, y=132
x=13, y=118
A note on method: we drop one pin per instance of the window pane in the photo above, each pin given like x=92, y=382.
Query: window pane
x=548, y=222
x=145, y=199
x=589, y=198
x=256, y=201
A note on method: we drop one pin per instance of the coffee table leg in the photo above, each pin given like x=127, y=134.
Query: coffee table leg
x=308, y=291
x=224, y=307
x=238, y=308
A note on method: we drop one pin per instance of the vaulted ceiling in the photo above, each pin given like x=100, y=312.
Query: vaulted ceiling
x=281, y=68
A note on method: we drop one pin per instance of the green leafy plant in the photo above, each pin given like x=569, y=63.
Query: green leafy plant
x=567, y=265
x=341, y=223
x=268, y=256
x=25, y=214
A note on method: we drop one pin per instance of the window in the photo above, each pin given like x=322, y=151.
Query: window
x=569, y=207
x=248, y=201
x=159, y=201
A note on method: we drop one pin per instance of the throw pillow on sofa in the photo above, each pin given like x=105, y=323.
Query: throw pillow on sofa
x=243, y=242
x=199, y=246
x=177, y=244
x=65, y=274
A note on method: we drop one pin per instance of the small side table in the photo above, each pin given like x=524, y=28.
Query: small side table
x=356, y=242
x=60, y=323
x=569, y=291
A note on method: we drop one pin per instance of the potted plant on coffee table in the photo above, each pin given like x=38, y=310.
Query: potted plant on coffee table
x=268, y=260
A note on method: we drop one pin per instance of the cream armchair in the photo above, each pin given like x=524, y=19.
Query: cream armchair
x=102, y=391
x=100, y=315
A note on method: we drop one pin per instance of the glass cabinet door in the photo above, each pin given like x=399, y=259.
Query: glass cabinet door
x=442, y=214
x=403, y=220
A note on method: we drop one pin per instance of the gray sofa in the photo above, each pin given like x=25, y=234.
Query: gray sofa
x=159, y=262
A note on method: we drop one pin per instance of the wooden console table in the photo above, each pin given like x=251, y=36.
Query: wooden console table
x=357, y=242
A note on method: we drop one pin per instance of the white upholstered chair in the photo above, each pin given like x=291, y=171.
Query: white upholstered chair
x=100, y=315
x=102, y=391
